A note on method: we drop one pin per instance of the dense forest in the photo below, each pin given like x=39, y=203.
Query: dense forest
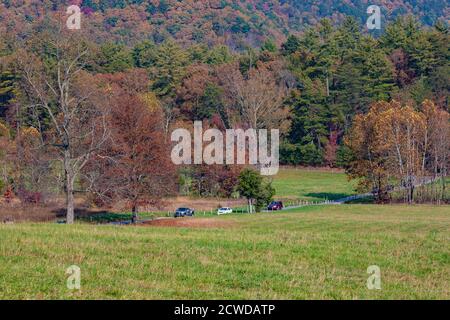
x=235, y=23
x=318, y=80
x=82, y=109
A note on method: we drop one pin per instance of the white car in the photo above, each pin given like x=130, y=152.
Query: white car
x=224, y=211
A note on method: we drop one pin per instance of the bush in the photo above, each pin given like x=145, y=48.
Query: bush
x=295, y=154
x=252, y=186
x=30, y=197
x=290, y=154
x=343, y=156
x=311, y=155
x=265, y=196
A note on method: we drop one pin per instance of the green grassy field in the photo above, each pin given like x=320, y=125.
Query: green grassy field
x=309, y=253
x=314, y=252
x=312, y=185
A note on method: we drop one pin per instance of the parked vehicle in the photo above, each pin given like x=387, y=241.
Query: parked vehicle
x=275, y=205
x=224, y=211
x=184, y=212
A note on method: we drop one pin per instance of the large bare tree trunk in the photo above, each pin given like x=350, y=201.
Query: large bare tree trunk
x=443, y=188
x=70, y=215
x=134, y=216
x=70, y=210
x=411, y=194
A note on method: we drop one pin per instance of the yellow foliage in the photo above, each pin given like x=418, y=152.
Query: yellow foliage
x=30, y=132
x=4, y=131
x=151, y=101
x=29, y=135
x=394, y=140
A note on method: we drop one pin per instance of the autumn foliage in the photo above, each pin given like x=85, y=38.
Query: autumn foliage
x=397, y=146
x=134, y=165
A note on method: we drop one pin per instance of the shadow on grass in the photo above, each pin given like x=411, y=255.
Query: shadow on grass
x=328, y=195
x=368, y=200
x=84, y=214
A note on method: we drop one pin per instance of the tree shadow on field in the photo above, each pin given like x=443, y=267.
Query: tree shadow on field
x=80, y=213
x=328, y=195
x=43, y=213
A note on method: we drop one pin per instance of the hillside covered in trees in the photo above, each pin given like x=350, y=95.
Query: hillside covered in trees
x=236, y=23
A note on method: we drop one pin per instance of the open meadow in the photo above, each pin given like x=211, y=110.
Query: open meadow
x=313, y=252
x=312, y=185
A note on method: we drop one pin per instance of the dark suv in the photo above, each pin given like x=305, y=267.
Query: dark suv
x=184, y=212
x=275, y=205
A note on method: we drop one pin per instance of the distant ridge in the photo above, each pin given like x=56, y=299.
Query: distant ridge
x=236, y=23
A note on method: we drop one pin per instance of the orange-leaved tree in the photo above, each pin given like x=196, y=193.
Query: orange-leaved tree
x=135, y=165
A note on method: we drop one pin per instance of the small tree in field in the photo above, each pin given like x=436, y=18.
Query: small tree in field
x=251, y=185
x=265, y=195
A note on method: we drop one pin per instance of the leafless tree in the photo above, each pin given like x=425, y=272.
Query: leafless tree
x=258, y=97
x=60, y=90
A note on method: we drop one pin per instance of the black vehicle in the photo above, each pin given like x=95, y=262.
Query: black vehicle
x=184, y=212
x=275, y=205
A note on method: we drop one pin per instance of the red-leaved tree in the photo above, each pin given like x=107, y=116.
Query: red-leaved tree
x=136, y=165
